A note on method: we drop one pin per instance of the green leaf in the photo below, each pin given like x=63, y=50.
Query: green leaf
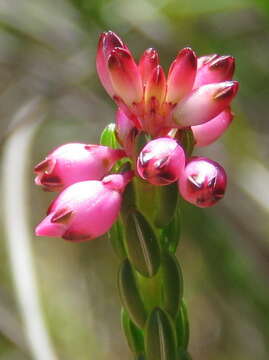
x=172, y=284
x=140, y=357
x=115, y=235
x=140, y=141
x=130, y=296
x=182, y=326
x=141, y=244
x=133, y=334
x=170, y=234
x=128, y=200
x=160, y=340
x=186, y=138
x=108, y=137
x=167, y=198
x=183, y=355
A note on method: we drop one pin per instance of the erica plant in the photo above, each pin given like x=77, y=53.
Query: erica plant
x=130, y=184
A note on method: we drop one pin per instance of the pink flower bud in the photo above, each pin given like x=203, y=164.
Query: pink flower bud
x=210, y=131
x=75, y=162
x=124, y=76
x=85, y=210
x=181, y=75
x=203, y=182
x=148, y=62
x=107, y=42
x=161, y=161
x=214, y=69
x=204, y=103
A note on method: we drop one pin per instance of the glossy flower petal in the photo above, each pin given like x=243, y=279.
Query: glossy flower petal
x=210, y=131
x=124, y=76
x=204, y=103
x=214, y=68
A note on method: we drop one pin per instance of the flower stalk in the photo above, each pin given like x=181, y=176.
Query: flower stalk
x=130, y=185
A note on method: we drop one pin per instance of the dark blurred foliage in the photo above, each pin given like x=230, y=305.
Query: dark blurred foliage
x=47, y=54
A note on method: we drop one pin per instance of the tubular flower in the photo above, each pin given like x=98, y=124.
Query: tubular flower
x=159, y=119
x=203, y=182
x=195, y=91
x=75, y=162
x=85, y=210
x=161, y=161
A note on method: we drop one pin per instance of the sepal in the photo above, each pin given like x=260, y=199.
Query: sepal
x=108, y=137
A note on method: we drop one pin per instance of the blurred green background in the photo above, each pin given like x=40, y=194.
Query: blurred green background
x=59, y=300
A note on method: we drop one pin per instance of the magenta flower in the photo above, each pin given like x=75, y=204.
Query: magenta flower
x=195, y=91
x=85, y=210
x=193, y=99
x=75, y=162
x=203, y=182
x=161, y=161
x=159, y=120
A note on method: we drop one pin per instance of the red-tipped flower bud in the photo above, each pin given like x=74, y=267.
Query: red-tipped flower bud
x=181, y=75
x=75, y=162
x=203, y=182
x=124, y=76
x=161, y=161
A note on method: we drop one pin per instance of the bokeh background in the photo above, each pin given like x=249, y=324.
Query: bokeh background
x=59, y=300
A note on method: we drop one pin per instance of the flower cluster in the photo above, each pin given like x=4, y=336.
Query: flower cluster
x=193, y=100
